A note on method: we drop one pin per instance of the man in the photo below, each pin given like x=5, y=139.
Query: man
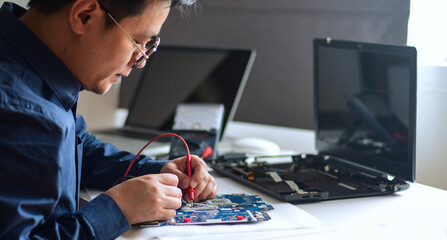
x=47, y=55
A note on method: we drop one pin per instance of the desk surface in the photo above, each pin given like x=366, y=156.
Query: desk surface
x=417, y=213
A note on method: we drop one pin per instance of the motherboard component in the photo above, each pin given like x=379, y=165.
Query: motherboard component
x=223, y=209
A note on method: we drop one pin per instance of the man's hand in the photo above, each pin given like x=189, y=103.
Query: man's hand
x=203, y=183
x=148, y=198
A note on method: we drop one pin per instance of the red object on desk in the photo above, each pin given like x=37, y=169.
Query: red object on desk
x=191, y=191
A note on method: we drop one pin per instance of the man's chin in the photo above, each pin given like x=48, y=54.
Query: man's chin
x=105, y=86
x=102, y=89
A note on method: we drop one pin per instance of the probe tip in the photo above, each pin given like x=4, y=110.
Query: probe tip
x=191, y=193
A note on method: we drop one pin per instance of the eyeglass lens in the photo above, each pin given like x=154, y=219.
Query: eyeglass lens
x=151, y=47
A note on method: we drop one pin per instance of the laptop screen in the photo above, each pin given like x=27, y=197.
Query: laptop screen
x=365, y=104
x=177, y=75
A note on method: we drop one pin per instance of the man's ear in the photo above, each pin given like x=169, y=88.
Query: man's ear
x=82, y=14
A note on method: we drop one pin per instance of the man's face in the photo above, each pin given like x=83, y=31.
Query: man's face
x=110, y=54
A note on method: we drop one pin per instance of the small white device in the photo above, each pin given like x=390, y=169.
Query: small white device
x=199, y=116
x=200, y=125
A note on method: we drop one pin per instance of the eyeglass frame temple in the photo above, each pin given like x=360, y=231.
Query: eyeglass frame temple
x=128, y=36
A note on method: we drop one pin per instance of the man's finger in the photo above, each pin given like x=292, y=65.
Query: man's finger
x=209, y=191
x=168, y=179
x=183, y=179
x=200, y=171
x=172, y=203
x=173, y=192
x=199, y=176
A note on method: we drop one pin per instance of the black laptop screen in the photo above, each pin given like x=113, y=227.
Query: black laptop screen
x=177, y=75
x=365, y=102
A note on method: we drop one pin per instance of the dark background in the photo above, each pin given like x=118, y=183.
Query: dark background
x=280, y=88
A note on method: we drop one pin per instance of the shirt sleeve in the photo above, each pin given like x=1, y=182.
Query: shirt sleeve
x=97, y=214
x=104, y=165
x=37, y=183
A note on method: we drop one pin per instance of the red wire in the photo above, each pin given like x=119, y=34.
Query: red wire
x=191, y=191
x=163, y=135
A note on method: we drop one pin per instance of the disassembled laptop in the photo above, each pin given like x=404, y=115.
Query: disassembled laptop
x=307, y=177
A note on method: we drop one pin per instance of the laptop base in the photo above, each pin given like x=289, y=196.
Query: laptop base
x=305, y=178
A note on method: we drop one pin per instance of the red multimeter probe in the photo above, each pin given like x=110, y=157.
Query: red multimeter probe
x=191, y=191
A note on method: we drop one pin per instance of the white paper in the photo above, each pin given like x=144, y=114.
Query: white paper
x=284, y=217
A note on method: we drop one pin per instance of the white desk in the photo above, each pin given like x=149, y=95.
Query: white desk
x=417, y=213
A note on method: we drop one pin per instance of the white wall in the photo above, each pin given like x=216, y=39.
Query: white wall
x=100, y=111
x=427, y=32
x=431, y=151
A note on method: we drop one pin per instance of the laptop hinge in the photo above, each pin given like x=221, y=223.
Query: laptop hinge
x=363, y=170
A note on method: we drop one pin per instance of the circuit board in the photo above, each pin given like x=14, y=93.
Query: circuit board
x=223, y=209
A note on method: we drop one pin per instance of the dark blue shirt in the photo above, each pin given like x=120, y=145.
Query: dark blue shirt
x=46, y=155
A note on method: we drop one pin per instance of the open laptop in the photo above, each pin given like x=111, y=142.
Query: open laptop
x=365, y=128
x=177, y=74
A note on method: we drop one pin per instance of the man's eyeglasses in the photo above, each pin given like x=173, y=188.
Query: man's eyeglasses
x=150, y=47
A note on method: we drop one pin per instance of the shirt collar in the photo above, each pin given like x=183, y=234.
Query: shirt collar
x=47, y=65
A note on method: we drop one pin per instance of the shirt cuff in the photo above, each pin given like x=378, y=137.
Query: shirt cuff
x=149, y=166
x=105, y=217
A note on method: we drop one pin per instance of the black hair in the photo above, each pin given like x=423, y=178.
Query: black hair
x=119, y=9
